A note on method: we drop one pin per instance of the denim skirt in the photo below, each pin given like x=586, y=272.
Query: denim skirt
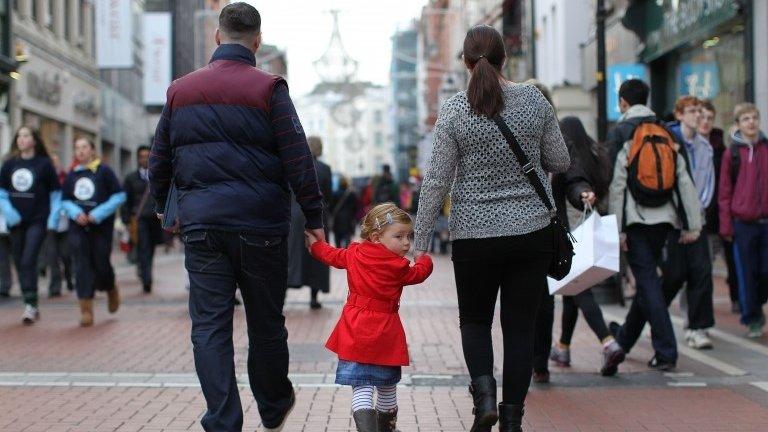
x=356, y=374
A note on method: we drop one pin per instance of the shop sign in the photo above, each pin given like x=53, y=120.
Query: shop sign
x=699, y=79
x=683, y=21
x=114, y=34
x=44, y=87
x=617, y=74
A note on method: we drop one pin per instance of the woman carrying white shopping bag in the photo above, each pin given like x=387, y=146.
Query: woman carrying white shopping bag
x=585, y=183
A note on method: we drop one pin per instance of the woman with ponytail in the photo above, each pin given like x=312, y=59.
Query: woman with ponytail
x=500, y=228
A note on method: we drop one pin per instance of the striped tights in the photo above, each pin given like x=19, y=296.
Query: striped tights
x=386, y=397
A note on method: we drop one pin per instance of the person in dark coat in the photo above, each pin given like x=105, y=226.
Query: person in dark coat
x=140, y=209
x=303, y=270
x=585, y=183
x=343, y=214
x=230, y=142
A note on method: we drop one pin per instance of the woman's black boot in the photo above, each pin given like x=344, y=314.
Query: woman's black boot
x=483, y=390
x=510, y=417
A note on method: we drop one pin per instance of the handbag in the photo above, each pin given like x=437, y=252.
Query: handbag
x=562, y=239
x=171, y=210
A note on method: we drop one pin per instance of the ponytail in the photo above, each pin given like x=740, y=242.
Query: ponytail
x=484, y=54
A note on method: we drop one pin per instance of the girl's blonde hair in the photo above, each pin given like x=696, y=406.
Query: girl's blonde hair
x=378, y=218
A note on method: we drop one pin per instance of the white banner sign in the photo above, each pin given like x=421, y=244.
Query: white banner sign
x=114, y=34
x=157, y=56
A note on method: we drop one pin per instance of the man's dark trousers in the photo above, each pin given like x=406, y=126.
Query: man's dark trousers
x=218, y=262
x=645, y=244
x=690, y=263
x=145, y=255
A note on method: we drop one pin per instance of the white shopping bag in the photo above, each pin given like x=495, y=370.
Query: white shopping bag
x=596, y=255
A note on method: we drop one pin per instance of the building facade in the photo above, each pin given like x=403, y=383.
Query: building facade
x=58, y=88
x=403, y=81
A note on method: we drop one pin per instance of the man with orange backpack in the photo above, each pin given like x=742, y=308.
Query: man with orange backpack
x=651, y=194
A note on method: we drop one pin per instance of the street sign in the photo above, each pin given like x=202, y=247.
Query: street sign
x=699, y=79
x=617, y=74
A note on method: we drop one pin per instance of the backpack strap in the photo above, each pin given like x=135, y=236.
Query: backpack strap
x=525, y=163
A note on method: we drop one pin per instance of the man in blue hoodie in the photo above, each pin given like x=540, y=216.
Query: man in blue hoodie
x=691, y=263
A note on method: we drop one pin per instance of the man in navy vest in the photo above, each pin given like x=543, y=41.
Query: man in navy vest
x=231, y=143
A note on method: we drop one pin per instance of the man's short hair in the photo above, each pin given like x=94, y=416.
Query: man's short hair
x=143, y=148
x=634, y=91
x=684, y=102
x=744, y=108
x=708, y=105
x=239, y=21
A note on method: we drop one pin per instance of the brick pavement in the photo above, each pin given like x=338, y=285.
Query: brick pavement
x=150, y=334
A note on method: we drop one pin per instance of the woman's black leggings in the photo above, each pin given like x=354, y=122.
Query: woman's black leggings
x=586, y=302
x=517, y=266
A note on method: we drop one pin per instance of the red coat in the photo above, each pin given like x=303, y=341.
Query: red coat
x=369, y=329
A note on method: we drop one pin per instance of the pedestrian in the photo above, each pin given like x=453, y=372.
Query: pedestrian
x=386, y=189
x=500, y=229
x=715, y=136
x=30, y=195
x=343, y=214
x=369, y=338
x=138, y=215
x=632, y=93
x=57, y=256
x=743, y=200
x=545, y=315
x=646, y=212
x=691, y=263
x=303, y=270
x=584, y=186
x=230, y=141
x=91, y=197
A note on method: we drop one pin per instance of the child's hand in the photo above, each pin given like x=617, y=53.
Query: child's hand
x=309, y=239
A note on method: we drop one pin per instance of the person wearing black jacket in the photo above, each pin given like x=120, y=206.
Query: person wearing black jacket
x=584, y=184
x=343, y=214
x=715, y=137
x=139, y=214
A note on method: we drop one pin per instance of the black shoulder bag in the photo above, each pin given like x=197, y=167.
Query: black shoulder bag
x=562, y=240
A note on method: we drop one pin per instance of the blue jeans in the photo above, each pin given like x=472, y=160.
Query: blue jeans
x=646, y=243
x=750, y=242
x=26, y=242
x=218, y=263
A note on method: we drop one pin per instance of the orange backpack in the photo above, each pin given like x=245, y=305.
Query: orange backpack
x=652, y=165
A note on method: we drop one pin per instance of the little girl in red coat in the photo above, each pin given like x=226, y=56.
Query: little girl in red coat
x=369, y=337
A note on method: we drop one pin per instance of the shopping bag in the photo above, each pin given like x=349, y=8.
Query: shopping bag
x=596, y=255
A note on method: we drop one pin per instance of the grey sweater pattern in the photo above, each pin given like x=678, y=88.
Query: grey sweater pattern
x=490, y=195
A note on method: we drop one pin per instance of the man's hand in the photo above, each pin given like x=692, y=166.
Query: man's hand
x=318, y=233
x=92, y=220
x=589, y=197
x=173, y=229
x=82, y=219
x=623, y=242
x=688, y=237
x=728, y=238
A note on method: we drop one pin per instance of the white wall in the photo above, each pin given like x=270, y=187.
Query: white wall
x=561, y=26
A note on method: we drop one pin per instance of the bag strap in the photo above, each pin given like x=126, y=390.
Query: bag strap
x=143, y=201
x=525, y=163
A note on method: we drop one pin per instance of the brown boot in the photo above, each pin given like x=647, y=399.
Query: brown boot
x=113, y=300
x=86, y=312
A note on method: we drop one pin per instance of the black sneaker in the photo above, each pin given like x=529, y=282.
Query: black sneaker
x=315, y=305
x=661, y=365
